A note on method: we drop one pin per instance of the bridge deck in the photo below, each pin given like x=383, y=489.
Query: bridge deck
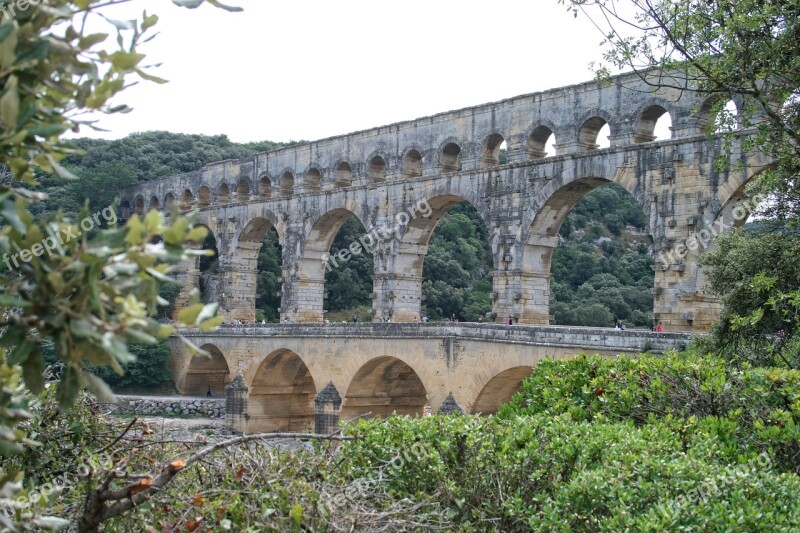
x=585, y=338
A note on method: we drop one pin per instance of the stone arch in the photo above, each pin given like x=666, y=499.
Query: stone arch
x=500, y=389
x=538, y=139
x=706, y=116
x=411, y=163
x=264, y=186
x=169, y=200
x=281, y=395
x=223, y=193
x=384, y=385
x=589, y=130
x=343, y=174
x=203, y=196
x=529, y=296
x=206, y=372
x=243, y=189
x=376, y=169
x=240, y=294
x=315, y=258
x=312, y=182
x=187, y=199
x=138, y=205
x=287, y=183
x=153, y=202
x=644, y=130
x=450, y=157
x=490, y=150
x=125, y=208
x=414, y=227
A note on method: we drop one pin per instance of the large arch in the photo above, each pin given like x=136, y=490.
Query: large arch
x=240, y=292
x=207, y=373
x=524, y=289
x=500, y=389
x=382, y=386
x=281, y=395
x=410, y=258
x=316, y=260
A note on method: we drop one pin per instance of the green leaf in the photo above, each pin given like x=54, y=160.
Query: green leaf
x=68, y=388
x=189, y=315
x=191, y=4
x=220, y=5
x=98, y=387
x=12, y=301
x=33, y=372
x=9, y=103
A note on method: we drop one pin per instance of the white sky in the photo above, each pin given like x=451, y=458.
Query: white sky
x=307, y=69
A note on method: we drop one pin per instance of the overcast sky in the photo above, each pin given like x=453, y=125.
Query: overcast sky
x=308, y=69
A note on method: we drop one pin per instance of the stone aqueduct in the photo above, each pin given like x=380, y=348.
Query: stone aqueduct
x=384, y=175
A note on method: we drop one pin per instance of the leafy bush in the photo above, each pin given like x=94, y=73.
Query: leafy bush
x=546, y=473
x=700, y=397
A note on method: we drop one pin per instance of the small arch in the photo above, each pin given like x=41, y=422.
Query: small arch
x=243, y=190
x=382, y=386
x=287, y=183
x=650, y=125
x=449, y=159
x=203, y=196
x=717, y=116
x=138, y=205
x=592, y=133
x=411, y=165
x=343, y=175
x=187, y=199
x=281, y=395
x=265, y=186
x=223, y=193
x=313, y=180
x=541, y=143
x=153, y=202
x=376, y=169
x=490, y=151
x=124, y=209
x=207, y=372
x=169, y=200
x=500, y=389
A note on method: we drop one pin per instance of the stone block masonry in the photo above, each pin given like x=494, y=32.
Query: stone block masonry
x=184, y=407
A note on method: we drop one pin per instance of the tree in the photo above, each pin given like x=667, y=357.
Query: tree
x=85, y=291
x=746, y=50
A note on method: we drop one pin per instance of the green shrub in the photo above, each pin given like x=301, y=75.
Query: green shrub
x=747, y=411
x=544, y=473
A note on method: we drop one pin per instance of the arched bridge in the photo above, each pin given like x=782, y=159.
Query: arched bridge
x=399, y=180
x=299, y=377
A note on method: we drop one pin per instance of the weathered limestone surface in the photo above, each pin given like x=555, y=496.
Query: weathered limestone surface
x=303, y=376
x=399, y=180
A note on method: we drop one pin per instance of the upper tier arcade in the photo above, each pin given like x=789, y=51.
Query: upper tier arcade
x=399, y=180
